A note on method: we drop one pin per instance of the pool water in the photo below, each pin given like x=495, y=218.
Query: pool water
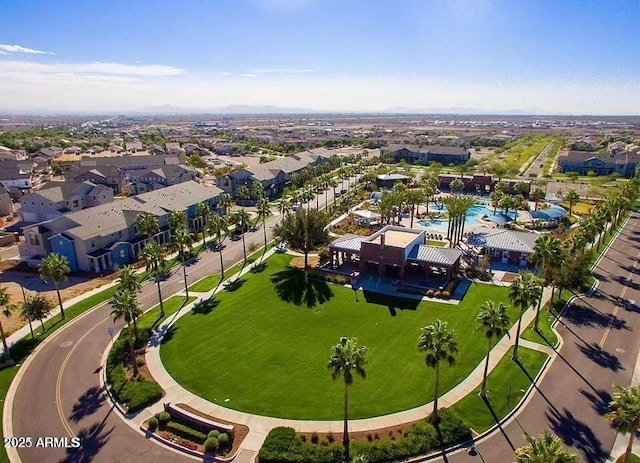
x=473, y=215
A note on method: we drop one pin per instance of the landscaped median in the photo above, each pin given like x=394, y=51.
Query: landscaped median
x=138, y=393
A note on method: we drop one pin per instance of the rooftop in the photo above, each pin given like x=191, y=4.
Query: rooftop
x=395, y=236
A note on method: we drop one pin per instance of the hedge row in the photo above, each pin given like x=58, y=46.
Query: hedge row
x=282, y=445
x=187, y=432
x=136, y=395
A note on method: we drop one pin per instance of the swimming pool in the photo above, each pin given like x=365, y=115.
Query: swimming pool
x=473, y=215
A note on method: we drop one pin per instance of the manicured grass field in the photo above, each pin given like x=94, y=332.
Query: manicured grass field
x=506, y=385
x=632, y=459
x=546, y=336
x=263, y=347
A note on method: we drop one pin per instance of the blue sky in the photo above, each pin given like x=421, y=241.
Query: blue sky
x=580, y=57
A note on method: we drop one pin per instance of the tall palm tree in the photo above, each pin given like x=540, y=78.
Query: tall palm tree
x=257, y=191
x=242, y=194
x=523, y=293
x=128, y=279
x=264, y=210
x=348, y=358
x=414, y=198
x=125, y=306
x=177, y=220
x=218, y=226
x=494, y=323
x=183, y=240
x=225, y=202
x=6, y=311
x=148, y=224
x=55, y=267
x=571, y=197
x=547, y=256
x=242, y=219
x=153, y=257
x=204, y=212
x=385, y=206
x=545, y=449
x=625, y=413
x=438, y=344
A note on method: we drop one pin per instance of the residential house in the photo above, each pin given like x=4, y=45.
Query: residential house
x=106, y=237
x=395, y=252
x=155, y=150
x=445, y=155
x=623, y=162
x=133, y=146
x=161, y=177
x=56, y=198
x=273, y=175
x=111, y=176
x=174, y=148
x=502, y=245
x=17, y=176
x=6, y=205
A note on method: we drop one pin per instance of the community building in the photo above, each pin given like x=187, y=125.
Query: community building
x=395, y=252
x=106, y=237
x=483, y=183
x=502, y=245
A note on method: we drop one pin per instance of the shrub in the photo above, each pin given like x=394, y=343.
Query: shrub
x=141, y=394
x=163, y=418
x=152, y=424
x=437, y=294
x=211, y=445
x=182, y=430
x=430, y=293
x=214, y=434
x=224, y=440
x=330, y=437
x=452, y=428
x=446, y=294
x=314, y=437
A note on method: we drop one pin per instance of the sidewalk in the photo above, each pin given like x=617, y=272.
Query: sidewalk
x=259, y=426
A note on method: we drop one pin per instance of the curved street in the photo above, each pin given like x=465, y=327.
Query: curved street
x=59, y=396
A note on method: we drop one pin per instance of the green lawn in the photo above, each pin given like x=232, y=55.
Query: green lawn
x=504, y=393
x=151, y=319
x=546, y=336
x=263, y=347
x=632, y=459
x=206, y=284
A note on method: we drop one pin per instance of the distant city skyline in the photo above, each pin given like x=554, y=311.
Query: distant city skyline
x=527, y=57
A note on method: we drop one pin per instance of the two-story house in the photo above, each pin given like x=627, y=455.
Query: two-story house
x=444, y=155
x=161, y=177
x=106, y=237
x=56, y=198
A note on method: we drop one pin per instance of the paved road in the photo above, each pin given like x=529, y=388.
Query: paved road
x=538, y=162
x=601, y=343
x=59, y=394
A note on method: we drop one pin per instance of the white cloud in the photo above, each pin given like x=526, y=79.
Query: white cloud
x=147, y=70
x=10, y=49
x=246, y=74
x=281, y=71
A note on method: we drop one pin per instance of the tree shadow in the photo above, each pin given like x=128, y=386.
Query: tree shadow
x=577, y=434
x=234, y=285
x=88, y=403
x=579, y=315
x=496, y=419
x=391, y=302
x=599, y=356
x=258, y=268
x=169, y=334
x=92, y=439
x=599, y=400
x=297, y=288
x=205, y=307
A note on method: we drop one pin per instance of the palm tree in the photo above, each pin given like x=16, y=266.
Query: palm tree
x=55, y=267
x=438, y=344
x=494, y=323
x=263, y=212
x=538, y=195
x=625, y=413
x=153, y=257
x=128, y=279
x=571, y=197
x=242, y=194
x=182, y=239
x=204, y=212
x=385, y=206
x=148, y=224
x=177, y=220
x=225, y=202
x=6, y=311
x=242, y=219
x=499, y=169
x=414, y=197
x=545, y=449
x=218, y=226
x=125, y=306
x=547, y=256
x=347, y=358
x=523, y=293
x=257, y=191
x=36, y=308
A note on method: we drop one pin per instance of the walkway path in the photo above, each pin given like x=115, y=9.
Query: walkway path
x=259, y=426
